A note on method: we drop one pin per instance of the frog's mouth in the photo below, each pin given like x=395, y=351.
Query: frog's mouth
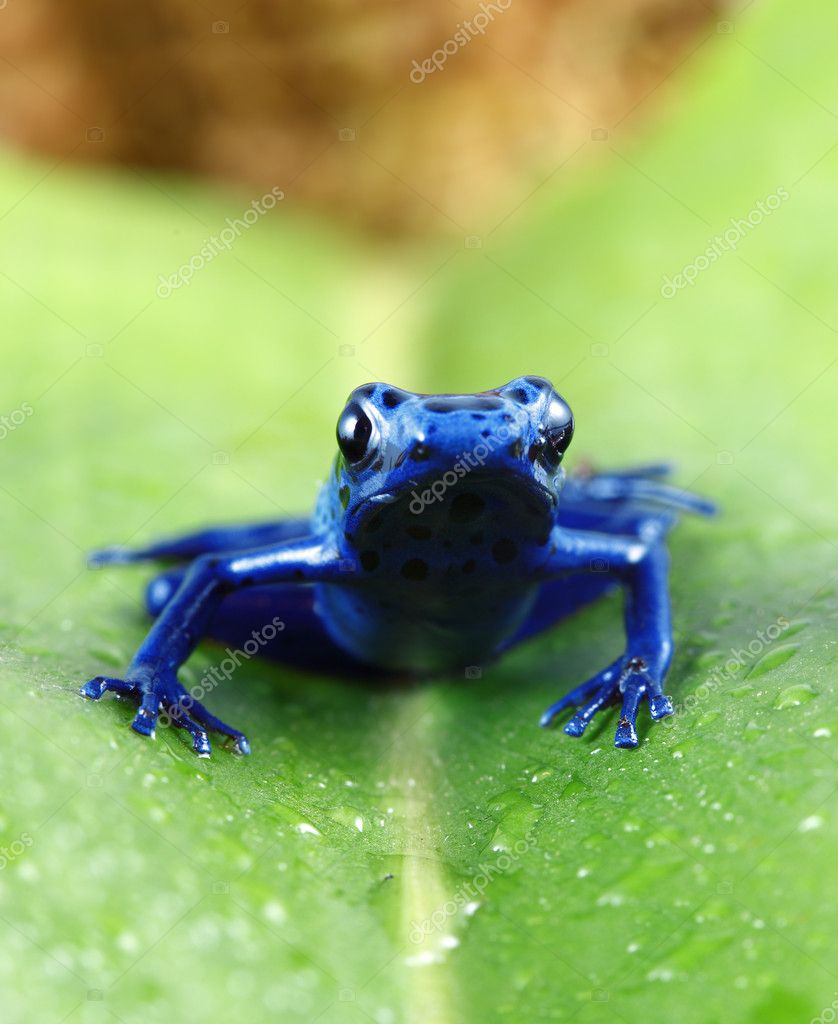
x=456, y=504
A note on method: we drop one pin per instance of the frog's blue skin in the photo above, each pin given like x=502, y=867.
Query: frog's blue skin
x=446, y=534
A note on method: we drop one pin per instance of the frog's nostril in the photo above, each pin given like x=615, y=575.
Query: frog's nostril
x=420, y=452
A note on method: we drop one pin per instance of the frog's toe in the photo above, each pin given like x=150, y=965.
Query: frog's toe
x=633, y=683
x=576, y=726
x=200, y=739
x=626, y=735
x=636, y=682
x=116, y=555
x=97, y=687
x=145, y=721
x=193, y=710
x=660, y=706
x=570, y=700
x=588, y=698
x=604, y=696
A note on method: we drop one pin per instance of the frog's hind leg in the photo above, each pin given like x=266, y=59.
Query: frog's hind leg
x=282, y=619
x=639, y=488
x=631, y=502
x=187, y=546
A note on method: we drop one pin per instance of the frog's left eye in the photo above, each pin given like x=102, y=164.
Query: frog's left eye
x=557, y=432
x=355, y=433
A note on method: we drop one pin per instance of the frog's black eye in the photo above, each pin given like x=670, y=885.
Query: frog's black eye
x=354, y=433
x=557, y=432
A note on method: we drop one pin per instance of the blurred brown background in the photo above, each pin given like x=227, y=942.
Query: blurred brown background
x=320, y=96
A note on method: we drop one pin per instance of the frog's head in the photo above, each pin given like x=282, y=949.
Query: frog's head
x=473, y=468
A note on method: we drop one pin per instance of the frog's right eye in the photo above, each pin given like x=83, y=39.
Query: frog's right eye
x=356, y=433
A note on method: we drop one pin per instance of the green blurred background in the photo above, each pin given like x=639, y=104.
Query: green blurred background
x=692, y=879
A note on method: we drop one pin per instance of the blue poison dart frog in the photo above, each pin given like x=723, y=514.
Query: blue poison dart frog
x=446, y=534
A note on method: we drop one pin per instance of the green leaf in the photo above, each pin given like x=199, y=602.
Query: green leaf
x=428, y=854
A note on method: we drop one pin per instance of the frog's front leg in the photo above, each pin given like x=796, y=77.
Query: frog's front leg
x=151, y=677
x=642, y=568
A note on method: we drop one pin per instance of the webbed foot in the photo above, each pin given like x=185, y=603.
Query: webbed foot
x=630, y=678
x=166, y=702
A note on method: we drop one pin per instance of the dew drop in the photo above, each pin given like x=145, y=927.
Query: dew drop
x=811, y=823
x=306, y=829
x=773, y=659
x=794, y=696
